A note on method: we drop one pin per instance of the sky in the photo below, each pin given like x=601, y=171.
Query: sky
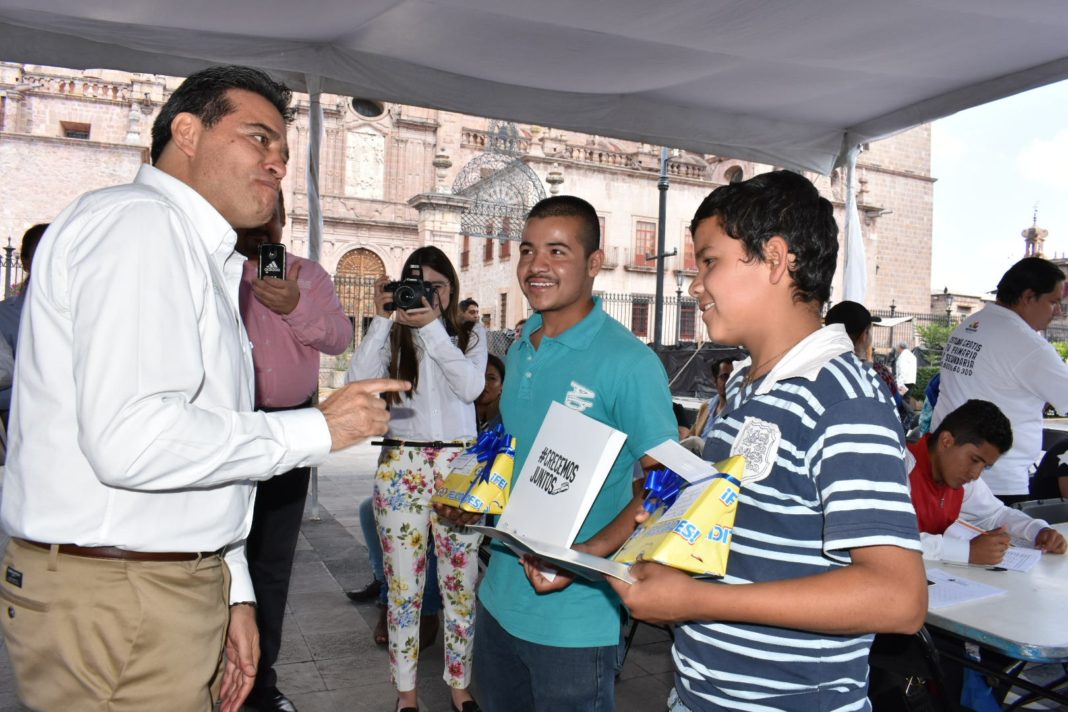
x=993, y=164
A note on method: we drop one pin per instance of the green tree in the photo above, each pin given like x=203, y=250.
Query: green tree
x=1062, y=349
x=934, y=336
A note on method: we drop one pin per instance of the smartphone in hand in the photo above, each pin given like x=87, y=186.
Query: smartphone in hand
x=272, y=260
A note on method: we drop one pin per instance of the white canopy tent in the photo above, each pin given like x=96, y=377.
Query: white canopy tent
x=794, y=83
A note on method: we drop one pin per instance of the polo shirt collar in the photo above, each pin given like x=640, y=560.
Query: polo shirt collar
x=212, y=228
x=807, y=358
x=580, y=336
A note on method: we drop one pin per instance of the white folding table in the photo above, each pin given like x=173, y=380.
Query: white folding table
x=1028, y=623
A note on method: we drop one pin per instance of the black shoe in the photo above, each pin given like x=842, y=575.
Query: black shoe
x=469, y=706
x=366, y=594
x=271, y=701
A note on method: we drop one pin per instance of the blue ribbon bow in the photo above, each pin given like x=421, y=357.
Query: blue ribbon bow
x=664, y=486
x=489, y=443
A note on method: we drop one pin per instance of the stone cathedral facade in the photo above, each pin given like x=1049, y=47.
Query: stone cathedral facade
x=394, y=177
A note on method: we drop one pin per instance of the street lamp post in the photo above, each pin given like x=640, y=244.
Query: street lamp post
x=893, y=308
x=662, y=186
x=9, y=259
x=678, y=306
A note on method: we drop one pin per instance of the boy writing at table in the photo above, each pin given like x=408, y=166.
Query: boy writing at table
x=824, y=551
x=945, y=486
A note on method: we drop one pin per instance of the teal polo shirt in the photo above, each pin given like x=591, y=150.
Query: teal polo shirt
x=600, y=368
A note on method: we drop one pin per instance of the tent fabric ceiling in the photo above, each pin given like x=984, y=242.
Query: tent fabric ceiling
x=793, y=83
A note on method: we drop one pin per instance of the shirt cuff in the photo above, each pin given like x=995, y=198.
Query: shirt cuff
x=1032, y=530
x=307, y=437
x=240, y=581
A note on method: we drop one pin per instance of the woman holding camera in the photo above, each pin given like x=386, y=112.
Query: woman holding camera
x=417, y=335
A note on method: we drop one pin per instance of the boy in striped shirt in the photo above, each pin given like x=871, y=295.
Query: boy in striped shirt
x=825, y=550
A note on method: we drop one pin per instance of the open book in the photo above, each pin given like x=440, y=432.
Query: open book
x=533, y=522
x=567, y=465
x=565, y=470
x=587, y=566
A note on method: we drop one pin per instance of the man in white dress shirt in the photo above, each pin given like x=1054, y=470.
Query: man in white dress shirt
x=904, y=368
x=134, y=444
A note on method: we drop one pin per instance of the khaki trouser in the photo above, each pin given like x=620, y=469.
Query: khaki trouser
x=105, y=635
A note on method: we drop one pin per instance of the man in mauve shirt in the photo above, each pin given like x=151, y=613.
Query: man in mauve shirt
x=290, y=322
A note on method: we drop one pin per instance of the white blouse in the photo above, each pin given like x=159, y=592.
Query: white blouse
x=442, y=407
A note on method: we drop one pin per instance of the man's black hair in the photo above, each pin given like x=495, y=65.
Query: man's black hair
x=28, y=247
x=497, y=363
x=204, y=95
x=786, y=204
x=570, y=206
x=466, y=304
x=977, y=422
x=854, y=316
x=718, y=363
x=1034, y=273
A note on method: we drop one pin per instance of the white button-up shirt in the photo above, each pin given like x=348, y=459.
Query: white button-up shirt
x=132, y=421
x=442, y=407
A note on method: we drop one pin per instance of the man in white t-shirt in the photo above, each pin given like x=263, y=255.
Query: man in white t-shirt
x=998, y=355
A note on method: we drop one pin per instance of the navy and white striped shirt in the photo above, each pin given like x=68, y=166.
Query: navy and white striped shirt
x=825, y=474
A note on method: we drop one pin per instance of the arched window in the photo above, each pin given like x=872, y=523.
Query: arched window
x=355, y=279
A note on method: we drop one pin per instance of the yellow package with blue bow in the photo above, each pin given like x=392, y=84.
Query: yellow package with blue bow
x=691, y=528
x=480, y=478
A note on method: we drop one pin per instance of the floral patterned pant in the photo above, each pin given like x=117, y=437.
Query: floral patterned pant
x=403, y=485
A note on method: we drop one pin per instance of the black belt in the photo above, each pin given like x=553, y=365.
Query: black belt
x=437, y=444
x=112, y=552
x=274, y=409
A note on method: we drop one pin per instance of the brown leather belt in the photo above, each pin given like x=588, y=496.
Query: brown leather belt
x=113, y=552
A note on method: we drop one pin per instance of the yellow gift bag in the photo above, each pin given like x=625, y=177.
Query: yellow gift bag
x=480, y=478
x=690, y=524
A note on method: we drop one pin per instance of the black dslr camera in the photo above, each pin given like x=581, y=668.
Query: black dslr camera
x=409, y=292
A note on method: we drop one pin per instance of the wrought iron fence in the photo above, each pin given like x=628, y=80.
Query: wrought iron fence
x=636, y=312
x=357, y=295
x=682, y=323
x=499, y=341
x=884, y=338
x=1057, y=333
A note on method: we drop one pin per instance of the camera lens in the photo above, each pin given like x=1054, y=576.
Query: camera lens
x=404, y=297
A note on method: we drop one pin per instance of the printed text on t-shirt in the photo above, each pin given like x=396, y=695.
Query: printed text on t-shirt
x=959, y=356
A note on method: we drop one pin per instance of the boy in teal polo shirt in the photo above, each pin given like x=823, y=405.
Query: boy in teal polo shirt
x=543, y=645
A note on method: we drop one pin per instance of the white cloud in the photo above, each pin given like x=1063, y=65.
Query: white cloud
x=1046, y=161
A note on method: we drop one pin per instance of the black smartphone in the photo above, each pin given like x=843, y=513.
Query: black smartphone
x=272, y=260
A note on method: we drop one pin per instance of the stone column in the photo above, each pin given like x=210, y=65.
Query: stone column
x=554, y=179
x=17, y=113
x=439, y=221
